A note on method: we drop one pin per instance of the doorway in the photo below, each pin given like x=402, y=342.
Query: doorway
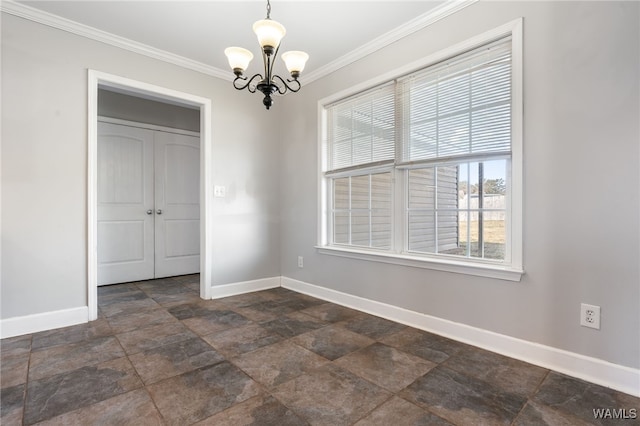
x=148, y=201
x=98, y=79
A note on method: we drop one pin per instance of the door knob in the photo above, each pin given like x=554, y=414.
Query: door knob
x=159, y=211
x=149, y=211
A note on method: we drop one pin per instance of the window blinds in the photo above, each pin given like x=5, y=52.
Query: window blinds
x=454, y=110
x=361, y=130
x=459, y=108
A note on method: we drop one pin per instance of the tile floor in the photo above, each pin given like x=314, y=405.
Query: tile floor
x=158, y=354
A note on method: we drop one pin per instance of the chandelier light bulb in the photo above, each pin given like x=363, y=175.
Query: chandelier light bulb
x=295, y=60
x=269, y=33
x=238, y=57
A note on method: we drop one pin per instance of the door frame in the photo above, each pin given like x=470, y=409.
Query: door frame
x=100, y=79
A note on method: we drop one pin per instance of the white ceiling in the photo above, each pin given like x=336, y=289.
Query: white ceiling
x=330, y=31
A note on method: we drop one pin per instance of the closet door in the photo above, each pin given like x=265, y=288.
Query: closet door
x=177, y=203
x=125, y=204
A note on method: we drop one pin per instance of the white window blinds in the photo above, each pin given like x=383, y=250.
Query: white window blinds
x=459, y=108
x=361, y=130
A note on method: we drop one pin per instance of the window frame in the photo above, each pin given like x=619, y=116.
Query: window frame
x=369, y=171
x=403, y=173
x=399, y=255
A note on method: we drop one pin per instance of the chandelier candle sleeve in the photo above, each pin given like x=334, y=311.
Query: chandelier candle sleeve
x=270, y=34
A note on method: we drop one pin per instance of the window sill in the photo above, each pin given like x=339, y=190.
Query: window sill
x=446, y=265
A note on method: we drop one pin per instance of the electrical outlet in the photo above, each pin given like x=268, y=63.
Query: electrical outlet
x=300, y=262
x=590, y=316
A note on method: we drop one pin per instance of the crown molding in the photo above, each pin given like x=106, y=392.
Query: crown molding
x=434, y=15
x=55, y=21
x=422, y=21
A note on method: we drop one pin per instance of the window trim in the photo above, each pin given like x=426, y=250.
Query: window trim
x=476, y=268
x=512, y=271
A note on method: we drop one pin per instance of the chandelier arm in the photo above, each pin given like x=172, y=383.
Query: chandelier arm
x=247, y=85
x=287, y=87
x=268, y=64
x=267, y=67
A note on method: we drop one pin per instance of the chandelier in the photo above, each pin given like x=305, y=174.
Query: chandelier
x=269, y=34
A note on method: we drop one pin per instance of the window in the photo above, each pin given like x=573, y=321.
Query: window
x=361, y=157
x=425, y=169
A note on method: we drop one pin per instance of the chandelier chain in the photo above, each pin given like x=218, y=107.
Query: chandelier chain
x=268, y=9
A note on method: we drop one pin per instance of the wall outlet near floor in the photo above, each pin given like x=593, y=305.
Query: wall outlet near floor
x=300, y=262
x=590, y=316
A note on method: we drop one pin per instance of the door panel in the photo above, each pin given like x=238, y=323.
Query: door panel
x=182, y=237
x=182, y=169
x=125, y=193
x=177, y=195
x=125, y=242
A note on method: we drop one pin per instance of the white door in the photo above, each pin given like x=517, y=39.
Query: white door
x=125, y=204
x=148, y=204
x=177, y=199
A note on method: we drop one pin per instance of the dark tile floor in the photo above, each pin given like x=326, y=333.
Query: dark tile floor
x=158, y=354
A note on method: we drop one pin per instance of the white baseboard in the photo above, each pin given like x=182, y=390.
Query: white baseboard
x=219, y=291
x=621, y=378
x=27, y=324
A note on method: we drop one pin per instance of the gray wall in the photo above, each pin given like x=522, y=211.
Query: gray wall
x=44, y=166
x=581, y=198
x=126, y=107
